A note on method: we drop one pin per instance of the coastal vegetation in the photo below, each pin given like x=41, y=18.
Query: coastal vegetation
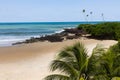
x=106, y=30
x=74, y=63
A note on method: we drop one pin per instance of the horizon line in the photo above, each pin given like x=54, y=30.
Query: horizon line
x=54, y=21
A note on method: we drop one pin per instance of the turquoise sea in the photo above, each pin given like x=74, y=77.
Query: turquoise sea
x=14, y=32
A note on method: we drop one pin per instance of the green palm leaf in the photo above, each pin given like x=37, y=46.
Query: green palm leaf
x=63, y=67
x=116, y=72
x=57, y=77
x=115, y=78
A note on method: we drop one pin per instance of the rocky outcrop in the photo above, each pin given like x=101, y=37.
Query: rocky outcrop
x=57, y=37
x=73, y=31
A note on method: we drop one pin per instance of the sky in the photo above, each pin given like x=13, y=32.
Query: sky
x=58, y=10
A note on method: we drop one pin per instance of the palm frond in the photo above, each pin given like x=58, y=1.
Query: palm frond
x=74, y=54
x=63, y=67
x=101, y=77
x=80, y=54
x=98, y=51
x=95, y=61
x=57, y=77
x=66, y=55
x=115, y=78
x=116, y=72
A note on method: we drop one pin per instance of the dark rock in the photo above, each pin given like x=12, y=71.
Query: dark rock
x=77, y=34
x=17, y=43
x=73, y=30
x=57, y=37
x=72, y=37
x=53, y=38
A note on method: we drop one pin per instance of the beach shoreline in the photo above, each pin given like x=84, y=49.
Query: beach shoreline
x=31, y=61
x=18, y=32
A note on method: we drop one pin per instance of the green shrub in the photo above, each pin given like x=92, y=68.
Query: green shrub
x=107, y=30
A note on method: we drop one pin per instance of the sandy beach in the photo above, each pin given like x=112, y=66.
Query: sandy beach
x=31, y=61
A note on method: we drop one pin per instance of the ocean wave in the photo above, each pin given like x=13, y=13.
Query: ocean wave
x=59, y=31
x=13, y=32
x=10, y=41
x=26, y=32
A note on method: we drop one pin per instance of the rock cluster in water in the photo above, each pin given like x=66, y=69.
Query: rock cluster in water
x=72, y=33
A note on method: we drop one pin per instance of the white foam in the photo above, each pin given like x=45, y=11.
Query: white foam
x=59, y=31
x=9, y=40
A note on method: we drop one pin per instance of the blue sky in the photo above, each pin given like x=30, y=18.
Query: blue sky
x=58, y=10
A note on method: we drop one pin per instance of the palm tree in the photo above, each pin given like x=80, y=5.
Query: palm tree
x=75, y=64
x=106, y=65
x=83, y=10
x=103, y=17
x=85, y=16
x=91, y=14
x=95, y=69
x=111, y=61
x=72, y=62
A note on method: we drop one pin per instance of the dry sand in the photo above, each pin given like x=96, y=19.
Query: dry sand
x=31, y=61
